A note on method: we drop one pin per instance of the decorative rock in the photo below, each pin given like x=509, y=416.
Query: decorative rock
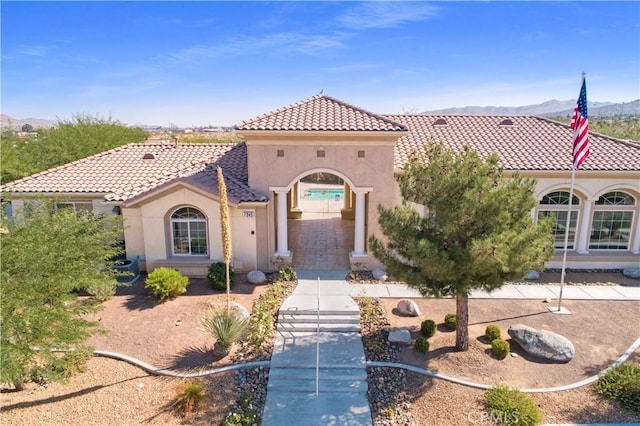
x=532, y=276
x=542, y=343
x=379, y=274
x=240, y=309
x=632, y=272
x=547, y=299
x=400, y=335
x=408, y=308
x=256, y=277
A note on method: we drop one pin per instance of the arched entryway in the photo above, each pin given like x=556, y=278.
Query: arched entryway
x=320, y=221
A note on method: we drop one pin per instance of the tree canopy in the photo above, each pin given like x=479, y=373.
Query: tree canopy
x=47, y=256
x=477, y=231
x=68, y=141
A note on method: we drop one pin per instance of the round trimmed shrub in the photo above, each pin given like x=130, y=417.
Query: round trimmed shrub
x=421, y=345
x=622, y=383
x=450, y=321
x=492, y=332
x=512, y=407
x=428, y=328
x=500, y=348
x=218, y=276
x=166, y=283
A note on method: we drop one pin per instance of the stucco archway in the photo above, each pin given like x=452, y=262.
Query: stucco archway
x=325, y=238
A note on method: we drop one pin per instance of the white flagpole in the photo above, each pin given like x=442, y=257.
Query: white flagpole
x=568, y=221
x=566, y=238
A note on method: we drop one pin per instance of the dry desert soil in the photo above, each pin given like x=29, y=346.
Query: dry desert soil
x=168, y=335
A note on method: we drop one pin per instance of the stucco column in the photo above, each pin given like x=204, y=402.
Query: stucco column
x=583, y=236
x=296, y=195
x=636, y=240
x=282, y=243
x=347, y=197
x=358, y=238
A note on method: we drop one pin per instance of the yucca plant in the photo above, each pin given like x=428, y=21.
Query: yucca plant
x=227, y=326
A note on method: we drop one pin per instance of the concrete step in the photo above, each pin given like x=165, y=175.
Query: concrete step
x=287, y=327
x=325, y=318
x=298, y=349
x=309, y=385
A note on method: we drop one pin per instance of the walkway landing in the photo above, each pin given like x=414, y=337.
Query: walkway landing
x=318, y=325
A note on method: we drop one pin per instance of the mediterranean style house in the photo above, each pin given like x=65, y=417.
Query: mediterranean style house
x=167, y=192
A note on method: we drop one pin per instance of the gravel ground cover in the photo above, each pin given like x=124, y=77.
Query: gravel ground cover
x=168, y=335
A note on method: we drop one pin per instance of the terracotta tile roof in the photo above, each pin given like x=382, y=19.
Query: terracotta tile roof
x=132, y=170
x=529, y=143
x=321, y=113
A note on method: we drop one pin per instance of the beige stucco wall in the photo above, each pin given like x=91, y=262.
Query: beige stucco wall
x=148, y=232
x=267, y=170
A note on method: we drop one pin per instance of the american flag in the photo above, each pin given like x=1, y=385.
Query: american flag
x=580, y=126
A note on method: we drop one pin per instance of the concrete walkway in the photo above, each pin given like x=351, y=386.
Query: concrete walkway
x=317, y=327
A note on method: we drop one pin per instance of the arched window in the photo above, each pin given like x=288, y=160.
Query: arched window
x=556, y=205
x=189, y=232
x=611, y=223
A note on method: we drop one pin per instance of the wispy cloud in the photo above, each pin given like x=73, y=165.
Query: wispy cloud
x=371, y=15
x=283, y=42
x=39, y=51
x=349, y=68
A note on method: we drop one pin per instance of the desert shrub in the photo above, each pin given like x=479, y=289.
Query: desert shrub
x=512, y=407
x=450, y=321
x=264, y=312
x=166, y=283
x=421, y=345
x=492, y=332
x=226, y=326
x=286, y=272
x=621, y=383
x=101, y=291
x=500, y=348
x=217, y=275
x=61, y=368
x=428, y=328
x=246, y=414
x=190, y=397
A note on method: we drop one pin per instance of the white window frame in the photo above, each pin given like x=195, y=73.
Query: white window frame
x=575, y=210
x=599, y=207
x=188, y=221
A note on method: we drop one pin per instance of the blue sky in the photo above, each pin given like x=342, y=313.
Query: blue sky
x=218, y=63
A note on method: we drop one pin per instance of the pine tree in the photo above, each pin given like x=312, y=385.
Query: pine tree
x=477, y=231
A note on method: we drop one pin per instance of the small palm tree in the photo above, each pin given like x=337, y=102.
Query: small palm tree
x=227, y=327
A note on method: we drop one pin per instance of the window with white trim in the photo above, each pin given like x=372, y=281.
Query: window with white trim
x=556, y=205
x=77, y=206
x=612, y=221
x=189, y=232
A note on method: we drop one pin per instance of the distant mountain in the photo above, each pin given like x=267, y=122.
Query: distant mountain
x=553, y=108
x=7, y=122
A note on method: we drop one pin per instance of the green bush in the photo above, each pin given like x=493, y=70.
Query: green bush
x=492, y=332
x=61, y=368
x=102, y=291
x=622, y=383
x=500, y=348
x=421, y=345
x=190, y=398
x=286, y=272
x=166, y=283
x=450, y=321
x=428, y=328
x=218, y=276
x=512, y=407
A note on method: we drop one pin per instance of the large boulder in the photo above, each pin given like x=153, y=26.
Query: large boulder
x=408, y=308
x=532, y=276
x=256, y=277
x=400, y=335
x=542, y=343
x=632, y=272
x=379, y=274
